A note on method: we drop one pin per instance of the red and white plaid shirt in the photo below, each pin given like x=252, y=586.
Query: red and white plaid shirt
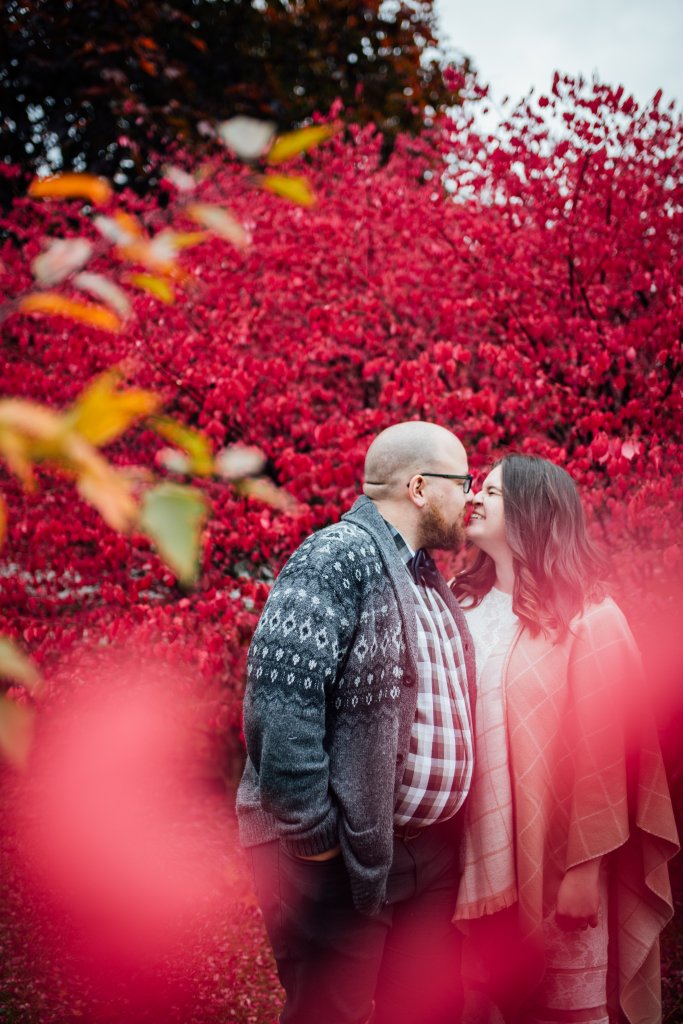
x=438, y=768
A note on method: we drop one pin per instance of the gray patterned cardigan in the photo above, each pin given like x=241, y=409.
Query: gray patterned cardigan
x=331, y=697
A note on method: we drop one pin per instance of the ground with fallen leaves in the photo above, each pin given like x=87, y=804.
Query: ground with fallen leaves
x=232, y=979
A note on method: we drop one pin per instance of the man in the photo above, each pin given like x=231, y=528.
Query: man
x=359, y=736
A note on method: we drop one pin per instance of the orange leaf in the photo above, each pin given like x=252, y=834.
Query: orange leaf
x=184, y=240
x=72, y=186
x=56, y=305
x=130, y=224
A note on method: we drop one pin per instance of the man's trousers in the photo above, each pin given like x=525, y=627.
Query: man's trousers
x=338, y=966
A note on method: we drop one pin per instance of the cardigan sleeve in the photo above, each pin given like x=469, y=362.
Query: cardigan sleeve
x=302, y=638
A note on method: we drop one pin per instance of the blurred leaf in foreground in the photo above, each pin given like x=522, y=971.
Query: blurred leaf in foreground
x=103, y=412
x=173, y=517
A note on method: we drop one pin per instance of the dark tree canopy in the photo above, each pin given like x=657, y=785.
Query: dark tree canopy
x=106, y=86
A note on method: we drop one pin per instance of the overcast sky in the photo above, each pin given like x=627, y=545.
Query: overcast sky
x=519, y=43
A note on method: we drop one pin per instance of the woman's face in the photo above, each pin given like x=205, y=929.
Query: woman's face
x=486, y=527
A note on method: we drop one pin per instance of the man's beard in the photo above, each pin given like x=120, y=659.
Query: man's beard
x=436, y=532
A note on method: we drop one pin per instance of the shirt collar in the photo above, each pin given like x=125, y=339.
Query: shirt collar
x=404, y=549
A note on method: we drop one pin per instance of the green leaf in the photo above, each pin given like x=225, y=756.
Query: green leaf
x=172, y=517
x=16, y=666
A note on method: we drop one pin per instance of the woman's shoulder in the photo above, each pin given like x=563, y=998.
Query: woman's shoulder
x=601, y=623
x=604, y=611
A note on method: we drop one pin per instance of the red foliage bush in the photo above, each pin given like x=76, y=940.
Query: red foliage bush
x=535, y=302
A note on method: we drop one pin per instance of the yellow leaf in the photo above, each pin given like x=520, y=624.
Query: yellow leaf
x=221, y=222
x=102, y=412
x=72, y=186
x=193, y=442
x=16, y=666
x=157, y=286
x=56, y=305
x=173, y=518
x=297, y=190
x=293, y=143
x=16, y=732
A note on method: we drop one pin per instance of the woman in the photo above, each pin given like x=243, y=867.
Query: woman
x=569, y=824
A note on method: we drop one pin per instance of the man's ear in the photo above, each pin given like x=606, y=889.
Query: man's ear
x=416, y=491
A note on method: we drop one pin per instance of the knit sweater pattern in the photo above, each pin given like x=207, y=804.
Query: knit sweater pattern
x=330, y=700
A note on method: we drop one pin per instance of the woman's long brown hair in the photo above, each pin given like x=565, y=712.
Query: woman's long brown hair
x=557, y=567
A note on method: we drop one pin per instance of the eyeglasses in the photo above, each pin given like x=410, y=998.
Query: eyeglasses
x=467, y=479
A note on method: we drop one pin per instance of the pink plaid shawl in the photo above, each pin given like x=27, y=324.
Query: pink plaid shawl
x=588, y=780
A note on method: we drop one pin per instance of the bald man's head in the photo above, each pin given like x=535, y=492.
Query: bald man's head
x=405, y=449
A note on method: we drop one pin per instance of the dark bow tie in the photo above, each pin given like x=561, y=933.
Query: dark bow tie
x=423, y=568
